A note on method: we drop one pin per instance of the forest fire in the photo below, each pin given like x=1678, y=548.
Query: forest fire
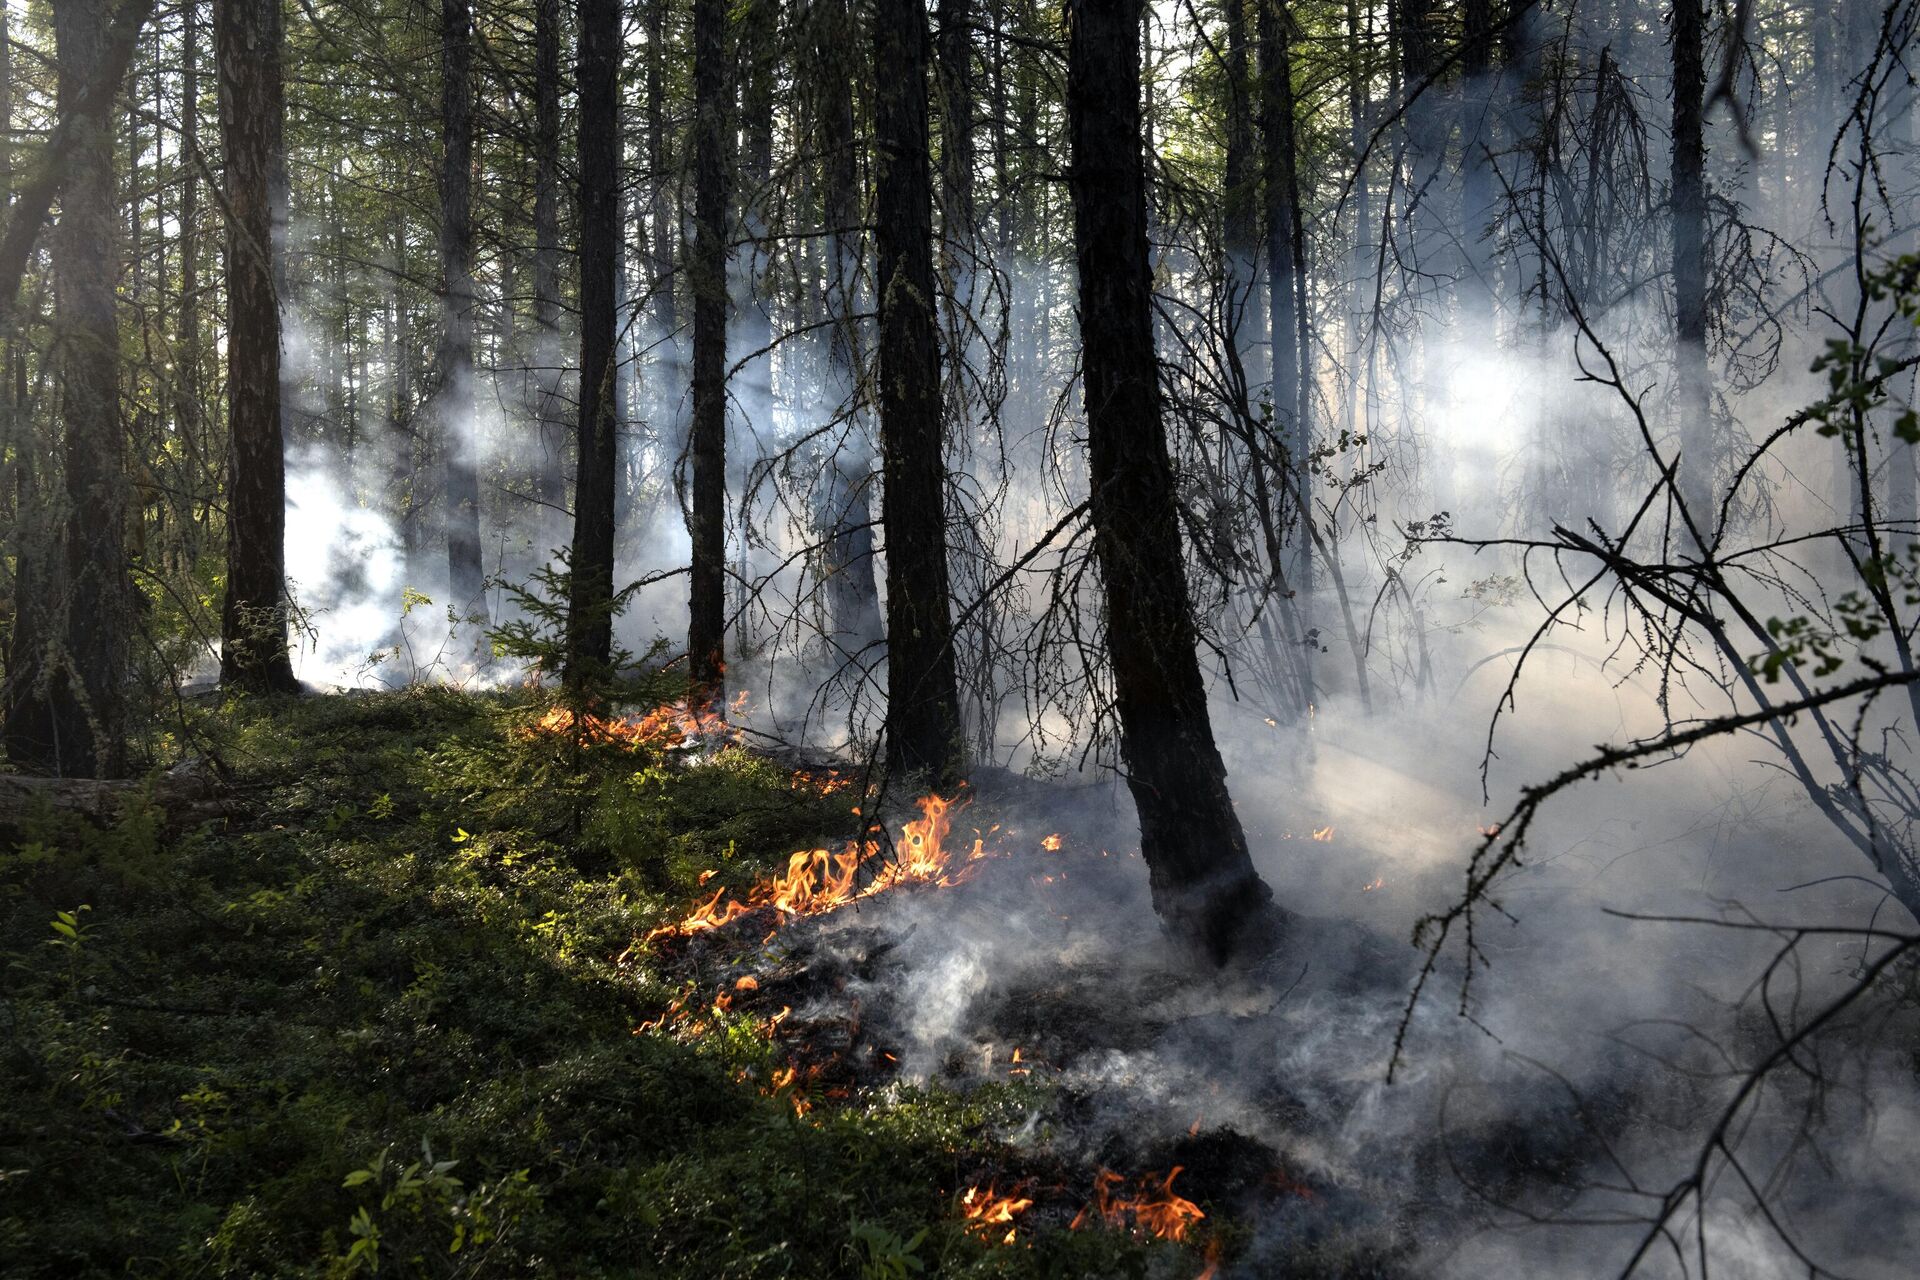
x=987, y=1211
x=668, y=727
x=1153, y=1207
x=820, y=880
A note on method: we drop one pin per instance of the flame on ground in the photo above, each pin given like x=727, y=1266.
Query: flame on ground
x=668, y=727
x=1153, y=1208
x=987, y=1211
x=819, y=880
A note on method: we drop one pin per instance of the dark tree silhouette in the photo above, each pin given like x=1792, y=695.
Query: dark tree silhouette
x=707, y=279
x=1204, y=884
x=454, y=397
x=590, y=606
x=923, y=713
x=254, y=624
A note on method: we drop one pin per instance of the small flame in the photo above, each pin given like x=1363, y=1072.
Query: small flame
x=1051, y=843
x=1323, y=834
x=1379, y=882
x=1155, y=1209
x=987, y=1211
x=820, y=880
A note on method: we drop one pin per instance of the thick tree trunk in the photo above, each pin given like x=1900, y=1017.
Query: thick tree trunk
x=665, y=216
x=65, y=698
x=923, y=713
x=590, y=606
x=454, y=396
x=254, y=625
x=1693, y=391
x=550, y=484
x=707, y=279
x=1204, y=884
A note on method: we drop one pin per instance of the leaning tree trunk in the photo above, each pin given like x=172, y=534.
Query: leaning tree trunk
x=923, y=706
x=454, y=397
x=707, y=280
x=590, y=601
x=1693, y=392
x=65, y=698
x=1204, y=884
x=254, y=624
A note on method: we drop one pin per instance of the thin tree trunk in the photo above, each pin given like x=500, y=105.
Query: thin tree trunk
x=923, y=709
x=1693, y=398
x=665, y=216
x=1282, y=230
x=1203, y=881
x=254, y=651
x=454, y=396
x=590, y=606
x=550, y=483
x=707, y=279
x=1241, y=238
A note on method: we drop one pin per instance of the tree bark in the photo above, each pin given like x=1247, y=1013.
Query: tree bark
x=707, y=279
x=1282, y=229
x=454, y=395
x=590, y=606
x=550, y=483
x=923, y=715
x=1203, y=881
x=1693, y=398
x=254, y=651
x=853, y=594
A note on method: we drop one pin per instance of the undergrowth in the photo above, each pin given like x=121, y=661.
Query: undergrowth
x=384, y=1019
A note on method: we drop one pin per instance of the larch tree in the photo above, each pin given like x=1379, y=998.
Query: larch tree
x=1203, y=882
x=923, y=710
x=590, y=604
x=254, y=652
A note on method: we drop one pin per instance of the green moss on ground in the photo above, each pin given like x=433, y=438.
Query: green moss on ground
x=380, y=1018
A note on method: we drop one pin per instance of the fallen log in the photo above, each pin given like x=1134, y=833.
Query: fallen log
x=184, y=797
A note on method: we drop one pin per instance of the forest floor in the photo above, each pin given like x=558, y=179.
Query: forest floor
x=398, y=1010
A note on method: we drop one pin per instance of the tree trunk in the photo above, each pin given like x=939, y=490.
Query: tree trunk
x=853, y=595
x=254, y=624
x=550, y=484
x=707, y=279
x=65, y=699
x=1241, y=236
x=1693, y=391
x=665, y=216
x=454, y=395
x=923, y=713
x=1478, y=180
x=1282, y=230
x=590, y=605
x=1204, y=885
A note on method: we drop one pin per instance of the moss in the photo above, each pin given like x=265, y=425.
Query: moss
x=401, y=951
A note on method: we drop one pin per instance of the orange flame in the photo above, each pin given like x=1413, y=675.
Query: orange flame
x=665, y=728
x=1323, y=834
x=819, y=880
x=1155, y=1209
x=1379, y=882
x=1051, y=843
x=987, y=1212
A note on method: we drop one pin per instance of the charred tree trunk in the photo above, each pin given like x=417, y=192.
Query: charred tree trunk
x=707, y=279
x=254, y=623
x=1204, y=884
x=590, y=602
x=665, y=216
x=550, y=484
x=923, y=710
x=1693, y=392
x=454, y=396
